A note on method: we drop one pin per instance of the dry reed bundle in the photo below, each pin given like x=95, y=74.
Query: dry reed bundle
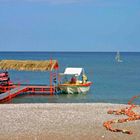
x=28, y=65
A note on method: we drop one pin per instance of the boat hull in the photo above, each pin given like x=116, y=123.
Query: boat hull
x=73, y=88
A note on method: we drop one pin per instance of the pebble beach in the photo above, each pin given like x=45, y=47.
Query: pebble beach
x=62, y=122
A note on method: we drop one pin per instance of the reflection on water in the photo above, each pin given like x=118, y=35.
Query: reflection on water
x=58, y=98
x=68, y=98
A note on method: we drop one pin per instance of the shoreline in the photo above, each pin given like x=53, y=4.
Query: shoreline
x=57, y=121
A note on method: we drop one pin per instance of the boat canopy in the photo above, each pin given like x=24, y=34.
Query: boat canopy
x=73, y=71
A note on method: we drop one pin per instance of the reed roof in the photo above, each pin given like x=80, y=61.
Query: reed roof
x=29, y=65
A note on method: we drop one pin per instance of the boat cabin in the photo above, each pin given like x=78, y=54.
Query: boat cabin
x=73, y=76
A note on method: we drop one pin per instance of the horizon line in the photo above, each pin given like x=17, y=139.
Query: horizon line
x=75, y=51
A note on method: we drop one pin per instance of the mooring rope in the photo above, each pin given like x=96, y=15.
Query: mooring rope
x=132, y=116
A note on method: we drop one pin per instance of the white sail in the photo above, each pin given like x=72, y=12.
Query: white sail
x=118, y=57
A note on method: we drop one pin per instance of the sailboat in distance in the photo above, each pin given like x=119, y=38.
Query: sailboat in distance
x=118, y=57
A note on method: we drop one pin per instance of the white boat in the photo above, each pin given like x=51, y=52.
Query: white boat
x=118, y=57
x=74, y=80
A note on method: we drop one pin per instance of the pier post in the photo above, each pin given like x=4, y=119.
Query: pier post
x=51, y=91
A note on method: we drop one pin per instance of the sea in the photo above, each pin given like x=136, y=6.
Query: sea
x=113, y=82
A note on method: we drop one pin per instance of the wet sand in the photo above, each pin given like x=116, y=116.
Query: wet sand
x=62, y=122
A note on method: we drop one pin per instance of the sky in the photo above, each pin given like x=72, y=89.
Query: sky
x=70, y=25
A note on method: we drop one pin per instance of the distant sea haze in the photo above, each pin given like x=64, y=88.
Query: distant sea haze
x=112, y=82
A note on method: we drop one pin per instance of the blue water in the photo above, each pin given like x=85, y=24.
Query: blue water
x=112, y=82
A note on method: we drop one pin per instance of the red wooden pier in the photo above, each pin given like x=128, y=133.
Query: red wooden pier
x=10, y=92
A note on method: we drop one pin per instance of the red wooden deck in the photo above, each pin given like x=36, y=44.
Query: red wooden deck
x=10, y=92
